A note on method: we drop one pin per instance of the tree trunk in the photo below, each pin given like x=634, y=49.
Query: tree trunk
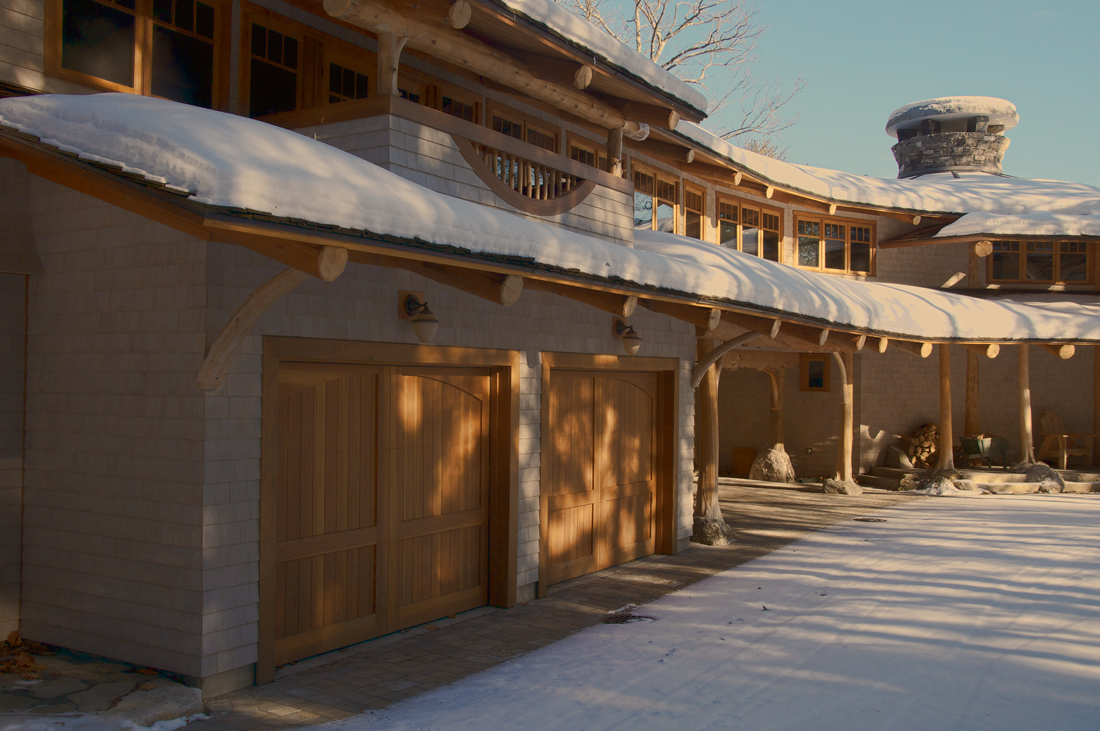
x=844, y=443
x=776, y=376
x=706, y=440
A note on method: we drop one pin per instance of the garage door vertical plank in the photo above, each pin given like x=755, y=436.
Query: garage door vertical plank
x=331, y=454
x=286, y=484
x=356, y=479
x=305, y=479
x=343, y=448
x=340, y=596
x=389, y=483
x=290, y=604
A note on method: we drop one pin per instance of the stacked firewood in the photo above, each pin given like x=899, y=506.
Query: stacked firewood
x=923, y=445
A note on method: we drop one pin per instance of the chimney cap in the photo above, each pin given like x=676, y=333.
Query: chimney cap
x=953, y=109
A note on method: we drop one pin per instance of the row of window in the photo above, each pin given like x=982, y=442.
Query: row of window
x=1040, y=262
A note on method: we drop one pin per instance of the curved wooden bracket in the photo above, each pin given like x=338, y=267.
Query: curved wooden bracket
x=712, y=357
x=214, y=366
x=532, y=206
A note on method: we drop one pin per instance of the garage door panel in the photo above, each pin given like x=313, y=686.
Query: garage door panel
x=571, y=534
x=382, y=501
x=572, y=430
x=606, y=517
x=440, y=564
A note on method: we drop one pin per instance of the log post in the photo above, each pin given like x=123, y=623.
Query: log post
x=1095, y=400
x=615, y=152
x=1027, y=441
x=947, y=436
x=776, y=376
x=708, y=527
x=972, y=423
x=390, y=46
x=844, y=443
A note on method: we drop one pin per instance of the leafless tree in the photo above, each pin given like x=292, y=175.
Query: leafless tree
x=707, y=43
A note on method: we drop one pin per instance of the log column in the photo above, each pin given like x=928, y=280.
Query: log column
x=706, y=439
x=1027, y=441
x=844, y=443
x=947, y=436
x=972, y=423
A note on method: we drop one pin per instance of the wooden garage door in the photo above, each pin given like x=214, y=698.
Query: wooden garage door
x=382, y=501
x=600, y=496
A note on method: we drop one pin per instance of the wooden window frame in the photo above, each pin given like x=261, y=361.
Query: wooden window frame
x=848, y=223
x=436, y=89
x=660, y=176
x=527, y=121
x=1090, y=253
x=143, y=56
x=804, y=361
x=740, y=204
x=309, y=45
x=685, y=189
x=366, y=63
x=598, y=151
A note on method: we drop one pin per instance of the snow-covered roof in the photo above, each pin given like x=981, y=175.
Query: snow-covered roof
x=594, y=40
x=1075, y=206
x=237, y=163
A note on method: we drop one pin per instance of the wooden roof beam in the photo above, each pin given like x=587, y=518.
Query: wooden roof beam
x=617, y=304
x=705, y=318
x=989, y=350
x=463, y=51
x=1064, y=351
x=500, y=289
x=922, y=349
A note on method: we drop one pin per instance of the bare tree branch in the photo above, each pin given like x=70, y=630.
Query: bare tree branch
x=708, y=43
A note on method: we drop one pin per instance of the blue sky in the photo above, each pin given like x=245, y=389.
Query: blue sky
x=861, y=59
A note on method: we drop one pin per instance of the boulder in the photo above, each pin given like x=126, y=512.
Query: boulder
x=1048, y=478
x=772, y=465
x=840, y=487
x=712, y=533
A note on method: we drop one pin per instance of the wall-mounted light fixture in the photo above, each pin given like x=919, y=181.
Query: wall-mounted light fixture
x=631, y=340
x=412, y=306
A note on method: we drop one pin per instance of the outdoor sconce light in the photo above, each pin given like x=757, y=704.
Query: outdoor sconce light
x=631, y=340
x=423, y=320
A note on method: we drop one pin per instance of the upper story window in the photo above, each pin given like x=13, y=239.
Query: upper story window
x=834, y=245
x=654, y=201
x=512, y=123
x=1040, y=262
x=273, y=83
x=163, y=48
x=693, y=213
x=589, y=153
x=749, y=228
x=345, y=82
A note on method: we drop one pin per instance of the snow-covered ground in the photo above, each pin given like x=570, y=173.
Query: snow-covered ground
x=979, y=613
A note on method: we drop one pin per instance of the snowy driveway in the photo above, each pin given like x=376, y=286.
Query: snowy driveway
x=970, y=613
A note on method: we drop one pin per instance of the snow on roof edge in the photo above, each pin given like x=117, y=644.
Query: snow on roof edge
x=578, y=32
x=245, y=164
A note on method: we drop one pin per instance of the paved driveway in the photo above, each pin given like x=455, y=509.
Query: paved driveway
x=969, y=613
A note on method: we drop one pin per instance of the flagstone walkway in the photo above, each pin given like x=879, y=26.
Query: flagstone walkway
x=381, y=672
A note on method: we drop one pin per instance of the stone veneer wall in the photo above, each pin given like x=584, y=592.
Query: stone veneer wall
x=950, y=150
x=430, y=158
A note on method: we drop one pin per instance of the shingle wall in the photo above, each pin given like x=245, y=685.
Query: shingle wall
x=115, y=434
x=12, y=288
x=361, y=305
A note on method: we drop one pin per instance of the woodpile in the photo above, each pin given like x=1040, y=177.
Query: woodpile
x=924, y=445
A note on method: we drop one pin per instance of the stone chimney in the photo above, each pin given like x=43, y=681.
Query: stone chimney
x=951, y=134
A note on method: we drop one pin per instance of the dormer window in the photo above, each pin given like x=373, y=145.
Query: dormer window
x=1040, y=262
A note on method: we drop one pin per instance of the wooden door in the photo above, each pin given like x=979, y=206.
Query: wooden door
x=438, y=463
x=382, y=501
x=328, y=541
x=600, y=495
